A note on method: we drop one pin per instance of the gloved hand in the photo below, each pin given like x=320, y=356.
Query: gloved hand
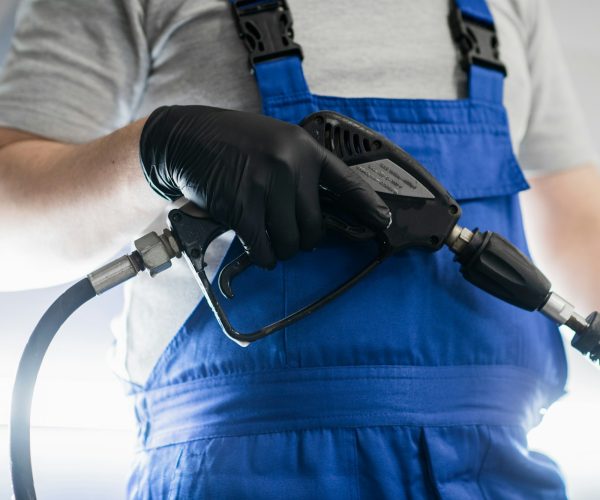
x=257, y=175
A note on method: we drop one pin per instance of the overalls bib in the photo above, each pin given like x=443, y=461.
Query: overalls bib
x=413, y=384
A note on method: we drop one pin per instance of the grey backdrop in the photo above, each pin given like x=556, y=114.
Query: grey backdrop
x=82, y=437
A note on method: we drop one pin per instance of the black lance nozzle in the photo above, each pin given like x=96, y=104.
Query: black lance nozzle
x=495, y=265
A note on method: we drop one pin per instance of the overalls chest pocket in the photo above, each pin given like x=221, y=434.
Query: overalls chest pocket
x=472, y=158
x=401, y=313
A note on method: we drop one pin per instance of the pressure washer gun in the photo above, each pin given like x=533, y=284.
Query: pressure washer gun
x=424, y=215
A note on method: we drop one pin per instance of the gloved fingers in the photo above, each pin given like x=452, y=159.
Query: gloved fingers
x=354, y=194
x=308, y=215
x=281, y=215
x=252, y=232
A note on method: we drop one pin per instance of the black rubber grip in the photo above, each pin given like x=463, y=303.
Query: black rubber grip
x=495, y=265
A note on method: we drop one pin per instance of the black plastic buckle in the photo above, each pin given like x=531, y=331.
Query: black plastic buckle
x=266, y=29
x=477, y=41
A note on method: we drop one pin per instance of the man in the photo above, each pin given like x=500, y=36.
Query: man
x=413, y=384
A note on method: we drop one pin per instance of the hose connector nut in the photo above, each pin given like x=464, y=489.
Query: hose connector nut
x=157, y=251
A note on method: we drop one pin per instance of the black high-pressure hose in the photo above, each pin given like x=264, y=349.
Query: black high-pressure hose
x=29, y=366
x=153, y=254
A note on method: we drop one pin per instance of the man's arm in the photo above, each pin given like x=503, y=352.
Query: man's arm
x=562, y=216
x=64, y=208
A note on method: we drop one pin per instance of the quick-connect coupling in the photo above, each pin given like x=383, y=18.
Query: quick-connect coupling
x=153, y=253
x=558, y=309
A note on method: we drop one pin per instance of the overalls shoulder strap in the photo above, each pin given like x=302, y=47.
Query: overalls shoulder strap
x=473, y=30
x=266, y=28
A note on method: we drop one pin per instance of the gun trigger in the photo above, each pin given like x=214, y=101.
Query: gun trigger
x=230, y=271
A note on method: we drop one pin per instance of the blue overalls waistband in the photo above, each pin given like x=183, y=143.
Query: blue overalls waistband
x=344, y=396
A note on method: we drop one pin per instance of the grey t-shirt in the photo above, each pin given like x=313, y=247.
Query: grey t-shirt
x=79, y=70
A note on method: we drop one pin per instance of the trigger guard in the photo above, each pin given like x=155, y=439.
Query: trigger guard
x=336, y=224
x=230, y=271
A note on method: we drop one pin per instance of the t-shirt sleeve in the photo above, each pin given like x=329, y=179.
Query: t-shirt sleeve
x=76, y=70
x=557, y=135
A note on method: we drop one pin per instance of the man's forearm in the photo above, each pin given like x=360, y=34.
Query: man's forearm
x=562, y=215
x=64, y=209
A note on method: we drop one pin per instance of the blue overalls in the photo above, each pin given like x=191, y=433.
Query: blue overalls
x=414, y=384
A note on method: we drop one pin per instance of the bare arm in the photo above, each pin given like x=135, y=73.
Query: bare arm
x=562, y=216
x=65, y=209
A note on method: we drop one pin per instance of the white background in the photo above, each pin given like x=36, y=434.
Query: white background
x=82, y=437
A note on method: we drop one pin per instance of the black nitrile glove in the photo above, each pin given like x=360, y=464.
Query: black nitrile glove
x=257, y=175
